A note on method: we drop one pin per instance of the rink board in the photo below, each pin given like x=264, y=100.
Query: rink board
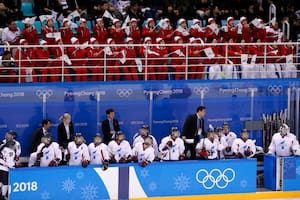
x=123, y=181
x=290, y=173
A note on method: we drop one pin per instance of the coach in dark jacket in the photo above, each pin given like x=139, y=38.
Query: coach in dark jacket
x=193, y=130
x=38, y=134
x=65, y=131
x=110, y=126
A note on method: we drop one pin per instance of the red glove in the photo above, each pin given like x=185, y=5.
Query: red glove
x=17, y=165
x=181, y=157
x=134, y=158
x=52, y=163
x=239, y=155
x=85, y=163
x=248, y=152
x=39, y=155
x=105, y=165
x=170, y=143
x=17, y=158
x=112, y=160
x=144, y=163
x=68, y=157
x=203, y=154
x=122, y=160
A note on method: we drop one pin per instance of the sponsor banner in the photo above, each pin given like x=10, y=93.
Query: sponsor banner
x=24, y=106
x=124, y=181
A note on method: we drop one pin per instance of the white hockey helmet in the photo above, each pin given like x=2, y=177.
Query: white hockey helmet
x=284, y=129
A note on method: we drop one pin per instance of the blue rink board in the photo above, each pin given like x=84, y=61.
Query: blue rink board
x=123, y=181
x=226, y=100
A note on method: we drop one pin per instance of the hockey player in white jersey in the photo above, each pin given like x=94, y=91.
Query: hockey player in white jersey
x=98, y=152
x=78, y=153
x=47, y=154
x=244, y=147
x=12, y=135
x=229, y=137
x=143, y=133
x=209, y=148
x=7, y=161
x=143, y=152
x=172, y=147
x=284, y=143
x=119, y=149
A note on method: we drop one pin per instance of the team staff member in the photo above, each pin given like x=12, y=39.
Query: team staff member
x=65, y=131
x=193, y=130
x=39, y=133
x=110, y=126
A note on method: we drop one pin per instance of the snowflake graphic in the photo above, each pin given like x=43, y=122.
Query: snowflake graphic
x=298, y=171
x=79, y=174
x=243, y=183
x=144, y=173
x=181, y=183
x=68, y=185
x=45, y=195
x=89, y=192
x=152, y=186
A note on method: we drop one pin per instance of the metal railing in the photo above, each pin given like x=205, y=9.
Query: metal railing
x=146, y=62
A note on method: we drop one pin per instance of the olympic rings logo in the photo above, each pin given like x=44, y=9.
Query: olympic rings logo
x=41, y=93
x=124, y=93
x=215, y=178
x=199, y=90
x=275, y=89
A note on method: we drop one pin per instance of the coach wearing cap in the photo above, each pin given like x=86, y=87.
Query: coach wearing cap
x=109, y=126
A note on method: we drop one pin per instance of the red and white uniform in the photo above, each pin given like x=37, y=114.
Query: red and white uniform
x=212, y=31
x=196, y=31
x=195, y=65
x=229, y=31
x=48, y=28
x=175, y=151
x=243, y=31
x=240, y=146
x=112, y=55
x=100, y=32
x=117, y=33
x=83, y=33
x=229, y=139
x=31, y=35
x=143, y=154
x=135, y=32
x=273, y=33
x=140, y=139
x=149, y=30
x=78, y=153
x=58, y=61
x=259, y=32
x=182, y=31
x=214, y=61
x=95, y=56
x=98, y=153
x=50, y=153
x=166, y=33
x=178, y=53
x=283, y=145
x=66, y=32
x=161, y=59
x=118, y=151
x=211, y=146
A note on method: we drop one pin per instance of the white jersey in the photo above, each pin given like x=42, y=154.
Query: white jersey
x=173, y=153
x=283, y=146
x=8, y=159
x=118, y=151
x=143, y=154
x=229, y=138
x=17, y=147
x=98, y=153
x=139, y=138
x=212, y=147
x=239, y=146
x=78, y=154
x=49, y=153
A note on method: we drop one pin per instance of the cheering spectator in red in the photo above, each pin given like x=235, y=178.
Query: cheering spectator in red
x=196, y=31
x=41, y=57
x=49, y=28
x=83, y=33
x=212, y=31
x=100, y=32
x=112, y=57
x=259, y=31
x=66, y=31
x=166, y=31
x=95, y=60
x=161, y=60
x=135, y=32
x=244, y=31
x=60, y=58
x=229, y=30
x=77, y=56
x=177, y=53
x=194, y=52
x=149, y=30
x=29, y=32
x=182, y=30
x=116, y=32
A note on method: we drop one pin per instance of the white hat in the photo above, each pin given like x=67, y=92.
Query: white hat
x=92, y=40
x=229, y=19
x=128, y=39
x=42, y=42
x=99, y=20
x=180, y=21
x=133, y=20
x=158, y=40
x=73, y=40
x=243, y=19
x=177, y=38
x=65, y=20
x=150, y=20
x=82, y=20
x=115, y=20
x=196, y=21
x=167, y=20
x=57, y=39
x=109, y=40
x=210, y=20
x=192, y=39
x=27, y=20
x=22, y=41
x=147, y=39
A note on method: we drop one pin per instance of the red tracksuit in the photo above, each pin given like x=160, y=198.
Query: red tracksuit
x=78, y=58
x=185, y=37
x=229, y=32
x=83, y=34
x=210, y=34
x=100, y=34
x=195, y=67
x=117, y=34
x=23, y=58
x=112, y=65
x=196, y=33
x=66, y=34
x=58, y=62
x=147, y=66
x=46, y=29
x=259, y=33
x=31, y=36
x=129, y=67
x=246, y=34
x=95, y=62
x=147, y=32
x=135, y=34
x=166, y=34
x=178, y=61
x=161, y=62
